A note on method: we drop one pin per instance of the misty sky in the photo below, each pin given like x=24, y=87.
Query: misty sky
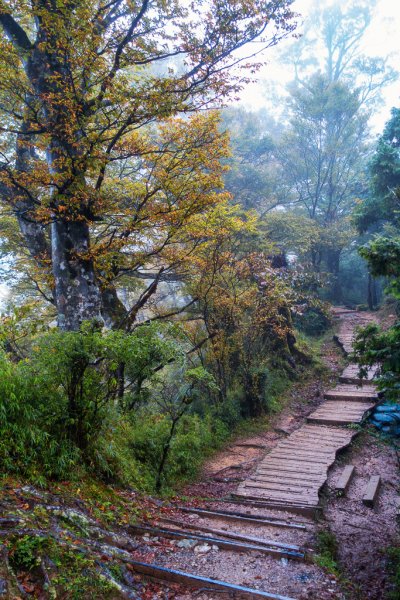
x=382, y=38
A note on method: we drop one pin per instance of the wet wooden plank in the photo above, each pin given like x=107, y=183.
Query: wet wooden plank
x=351, y=375
x=334, y=421
x=189, y=579
x=304, y=488
x=372, y=491
x=354, y=387
x=250, y=499
x=350, y=396
x=322, y=447
x=225, y=544
x=285, y=474
x=287, y=484
x=294, y=465
x=261, y=497
x=344, y=480
x=329, y=433
x=269, y=494
x=340, y=413
x=243, y=517
x=343, y=412
x=301, y=450
x=230, y=534
x=309, y=459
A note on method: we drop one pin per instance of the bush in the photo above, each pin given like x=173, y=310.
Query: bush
x=195, y=438
x=375, y=346
x=58, y=406
x=314, y=321
x=26, y=443
x=99, y=402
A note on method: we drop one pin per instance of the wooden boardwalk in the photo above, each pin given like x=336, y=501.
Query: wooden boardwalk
x=292, y=474
x=295, y=470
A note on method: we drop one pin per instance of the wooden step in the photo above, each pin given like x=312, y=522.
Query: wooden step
x=344, y=481
x=351, y=375
x=340, y=412
x=197, y=581
x=351, y=396
x=242, y=517
x=372, y=491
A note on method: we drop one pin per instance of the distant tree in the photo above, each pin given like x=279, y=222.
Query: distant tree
x=255, y=177
x=382, y=206
x=324, y=154
x=337, y=31
x=379, y=214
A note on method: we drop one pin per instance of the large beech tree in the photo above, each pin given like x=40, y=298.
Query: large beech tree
x=80, y=80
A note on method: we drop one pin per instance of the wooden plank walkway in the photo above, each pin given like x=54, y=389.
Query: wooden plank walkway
x=351, y=375
x=340, y=412
x=295, y=470
x=292, y=474
x=352, y=393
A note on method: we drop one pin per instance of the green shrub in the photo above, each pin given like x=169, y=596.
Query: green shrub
x=327, y=548
x=195, y=438
x=59, y=405
x=66, y=410
x=314, y=321
x=394, y=573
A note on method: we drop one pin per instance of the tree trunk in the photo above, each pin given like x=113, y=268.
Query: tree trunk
x=76, y=292
x=372, y=295
x=333, y=266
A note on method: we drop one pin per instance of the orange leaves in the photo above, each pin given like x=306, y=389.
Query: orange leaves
x=165, y=204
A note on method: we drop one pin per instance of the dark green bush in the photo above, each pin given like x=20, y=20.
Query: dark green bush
x=129, y=407
x=57, y=406
x=313, y=321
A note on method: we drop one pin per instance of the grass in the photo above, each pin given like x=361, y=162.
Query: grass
x=393, y=555
x=326, y=548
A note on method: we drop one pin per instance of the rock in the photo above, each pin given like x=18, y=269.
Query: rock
x=202, y=549
x=186, y=543
x=215, y=548
x=75, y=517
x=3, y=587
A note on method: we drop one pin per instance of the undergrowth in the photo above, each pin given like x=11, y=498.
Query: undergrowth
x=393, y=554
x=61, y=417
x=326, y=548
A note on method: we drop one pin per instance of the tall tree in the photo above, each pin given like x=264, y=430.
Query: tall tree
x=380, y=213
x=326, y=148
x=324, y=153
x=337, y=31
x=78, y=82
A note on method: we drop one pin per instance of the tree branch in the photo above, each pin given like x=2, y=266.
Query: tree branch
x=15, y=32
